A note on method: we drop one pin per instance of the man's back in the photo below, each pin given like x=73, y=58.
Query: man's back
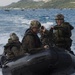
x=30, y=41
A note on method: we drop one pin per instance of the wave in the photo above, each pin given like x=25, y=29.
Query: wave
x=1, y=72
x=48, y=25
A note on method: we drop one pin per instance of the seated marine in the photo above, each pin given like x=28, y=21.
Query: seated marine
x=31, y=42
x=12, y=48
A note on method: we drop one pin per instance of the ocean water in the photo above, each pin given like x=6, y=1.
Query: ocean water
x=18, y=21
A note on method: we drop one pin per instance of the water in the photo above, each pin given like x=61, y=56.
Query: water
x=18, y=21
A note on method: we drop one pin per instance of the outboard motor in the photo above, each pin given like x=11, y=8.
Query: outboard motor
x=54, y=61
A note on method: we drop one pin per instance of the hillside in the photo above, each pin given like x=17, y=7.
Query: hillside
x=26, y=4
x=42, y=4
x=59, y=4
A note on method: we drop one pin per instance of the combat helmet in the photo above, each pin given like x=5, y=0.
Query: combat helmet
x=59, y=17
x=35, y=23
x=14, y=37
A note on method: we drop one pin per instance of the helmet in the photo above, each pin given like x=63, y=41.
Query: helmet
x=14, y=37
x=9, y=40
x=35, y=23
x=12, y=34
x=59, y=17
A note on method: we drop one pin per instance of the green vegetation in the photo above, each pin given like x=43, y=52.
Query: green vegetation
x=59, y=4
x=26, y=4
x=41, y=4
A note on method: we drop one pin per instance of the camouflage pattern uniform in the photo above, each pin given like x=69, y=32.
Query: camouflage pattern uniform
x=12, y=48
x=47, y=37
x=31, y=42
x=62, y=34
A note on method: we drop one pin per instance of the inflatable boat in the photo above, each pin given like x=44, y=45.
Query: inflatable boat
x=53, y=61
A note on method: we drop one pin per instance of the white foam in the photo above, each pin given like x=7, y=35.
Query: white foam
x=21, y=19
x=47, y=25
x=3, y=41
x=1, y=72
